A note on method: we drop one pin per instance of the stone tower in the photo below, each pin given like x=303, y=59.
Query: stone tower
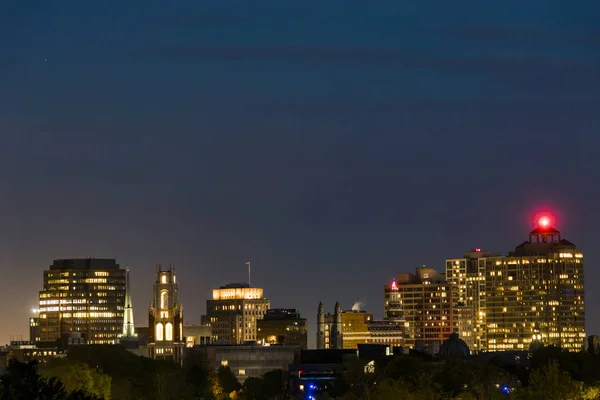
x=165, y=319
x=337, y=327
x=320, y=327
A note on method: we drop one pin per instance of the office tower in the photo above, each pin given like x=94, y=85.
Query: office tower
x=81, y=295
x=423, y=301
x=466, y=277
x=348, y=329
x=536, y=293
x=128, y=337
x=233, y=311
x=282, y=326
x=165, y=319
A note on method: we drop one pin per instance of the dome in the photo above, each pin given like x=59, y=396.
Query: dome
x=536, y=345
x=454, y=347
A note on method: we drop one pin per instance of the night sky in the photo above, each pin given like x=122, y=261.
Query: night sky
x=335, y=143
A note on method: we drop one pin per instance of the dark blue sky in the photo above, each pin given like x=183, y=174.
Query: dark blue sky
x=335, y=143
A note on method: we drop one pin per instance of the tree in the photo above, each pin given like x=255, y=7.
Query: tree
x=550, y=382
x=80, y=376
x=227, y=380
x=22, y=382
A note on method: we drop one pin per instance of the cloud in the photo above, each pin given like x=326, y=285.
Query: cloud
x=200, y=19
x=497, y=33
x=348, y=55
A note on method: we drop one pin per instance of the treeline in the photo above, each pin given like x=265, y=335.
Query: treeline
x=112, y=373
x=551, y=374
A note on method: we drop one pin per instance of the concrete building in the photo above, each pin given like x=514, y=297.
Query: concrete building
x=80, y=295
x=245, y=361
x=348, y=329
x=233, y=313
x=165, y=319
x=282, y=326
x=197, y=335
x=422, y=301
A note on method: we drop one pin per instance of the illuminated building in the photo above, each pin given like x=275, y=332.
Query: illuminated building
x=165, y=319
x=233, y=311
x=348, y=329
x=536, y=293
x=81, y=295
x=423, y=302
x=282, y=326
x=466, y=277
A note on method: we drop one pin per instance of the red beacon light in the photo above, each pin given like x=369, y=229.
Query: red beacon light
x=544, y=222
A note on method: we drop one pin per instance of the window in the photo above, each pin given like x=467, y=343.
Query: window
x=164, y=299
x=169, y=331
x=159, y=332
x=163, y=279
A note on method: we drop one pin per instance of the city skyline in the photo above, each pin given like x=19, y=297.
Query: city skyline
x=333, y=145
x=544, y=220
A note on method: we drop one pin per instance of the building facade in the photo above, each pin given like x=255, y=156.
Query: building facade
x=536, y=293
x=282, y=326
x=348, y=329
x=533, y=295
x=165, y=319
x=81, y=295
x=466, y=277
x=423, y=302
x=244, y=361
x=197, y=335
x=233, y=313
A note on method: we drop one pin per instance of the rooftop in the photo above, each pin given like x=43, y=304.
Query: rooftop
x=85, y=263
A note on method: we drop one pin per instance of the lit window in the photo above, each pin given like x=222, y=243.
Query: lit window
x=164, y=299
x=159, y=332
x=163, y=279
x=169, y=331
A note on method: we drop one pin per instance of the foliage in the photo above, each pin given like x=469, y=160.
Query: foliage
x=269, y=387
x=78, y=376
x=22, y=382
x=227, y=380
x=550, y=382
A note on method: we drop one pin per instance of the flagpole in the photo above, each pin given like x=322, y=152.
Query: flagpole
x=248, y=272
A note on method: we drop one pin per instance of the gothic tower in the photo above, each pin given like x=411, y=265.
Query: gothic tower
x=320, y=327
x=165, y=319
x=128, y=337
x=337, y=338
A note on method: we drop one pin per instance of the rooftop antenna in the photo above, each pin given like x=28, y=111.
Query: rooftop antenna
x=248, y=264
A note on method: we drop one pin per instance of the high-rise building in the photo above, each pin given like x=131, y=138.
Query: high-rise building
x=348, y=329
x=466, y=277
x=81, y=295
x=233, y=311
x=423, y=301
x=536, y=293
x=165, y=319
x=282, y=326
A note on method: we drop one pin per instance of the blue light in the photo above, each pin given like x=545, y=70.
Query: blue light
x=505, y=389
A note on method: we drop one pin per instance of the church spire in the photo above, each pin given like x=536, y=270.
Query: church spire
x=128, y=326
